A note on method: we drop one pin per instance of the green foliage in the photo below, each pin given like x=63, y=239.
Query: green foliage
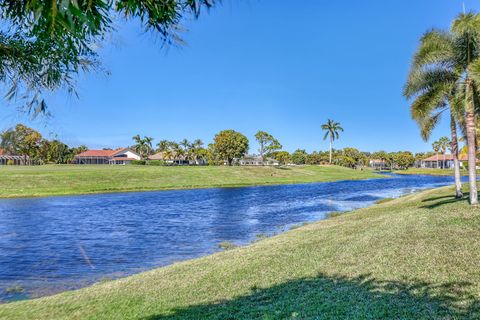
x=403, y=159
x=143, y=146
x=155, y=162
x=332, y=129
x=299, y=157
x=345, y=161
x=229, y=144
x=139, y=162
x=21, y=140
x=268, y=144
x=44, y=44
x=283, y=157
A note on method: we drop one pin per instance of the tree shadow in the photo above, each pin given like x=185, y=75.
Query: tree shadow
x=326, y=297
x=444, y=200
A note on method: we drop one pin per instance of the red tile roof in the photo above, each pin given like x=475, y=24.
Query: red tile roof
x=101, y=153
x=2, y=152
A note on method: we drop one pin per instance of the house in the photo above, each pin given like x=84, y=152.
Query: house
x=117, y=156
x=173, y=159
x=438, y=161
x=13, y=159
x=170, y=158
x=254, y=160
x=378, y=164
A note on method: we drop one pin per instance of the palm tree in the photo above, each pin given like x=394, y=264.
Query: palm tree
x=196, y=146
x=143, y=146
x=448, y=62
x=332, y=129
x=444, y=142
x=436, y=149
x=465, y=54
x=433, y=88
x=163, y=145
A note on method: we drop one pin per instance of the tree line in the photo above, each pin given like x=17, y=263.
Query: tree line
x=29, y=143
x=227, y=145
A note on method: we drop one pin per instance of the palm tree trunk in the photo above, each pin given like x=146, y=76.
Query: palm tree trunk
x=330, y=149
x=456, y=164
x=437, y=160
x=472, y=158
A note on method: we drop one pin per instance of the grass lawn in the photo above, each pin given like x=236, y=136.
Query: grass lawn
x=19, y=181
x=431, y=171
x=410, y=258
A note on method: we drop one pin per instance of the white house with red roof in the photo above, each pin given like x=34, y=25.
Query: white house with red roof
x=117, y=156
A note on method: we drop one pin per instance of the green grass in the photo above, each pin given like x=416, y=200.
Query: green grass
x=410, y=258
x=19, y=181
x=431, y=171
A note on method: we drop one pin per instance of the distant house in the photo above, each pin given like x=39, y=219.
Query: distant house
x=433, y=161
x=378, y=164
x=6, y=158
x=254, y=160
x=173, y=158
x=118, y=156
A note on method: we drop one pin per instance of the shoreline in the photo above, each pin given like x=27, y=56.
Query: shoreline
x=359, y=175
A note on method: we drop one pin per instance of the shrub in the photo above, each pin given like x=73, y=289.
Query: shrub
x=156, y=163
x=10, y=162
x=139, y=162
x=225, y=245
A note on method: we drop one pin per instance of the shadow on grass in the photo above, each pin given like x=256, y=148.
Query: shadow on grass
x=341, y=298
x=435, y=203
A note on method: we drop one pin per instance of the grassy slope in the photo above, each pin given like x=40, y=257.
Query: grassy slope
x=413, y=257
x=430, y=171
x=75, y=179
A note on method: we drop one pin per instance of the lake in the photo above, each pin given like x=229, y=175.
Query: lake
x=48, y=245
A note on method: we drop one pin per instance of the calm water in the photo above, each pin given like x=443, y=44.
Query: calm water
x=53, y=244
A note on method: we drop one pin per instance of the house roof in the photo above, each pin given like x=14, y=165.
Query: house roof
x=102, y=153
x=161, y=156
x=461, y=157
x=2, y=152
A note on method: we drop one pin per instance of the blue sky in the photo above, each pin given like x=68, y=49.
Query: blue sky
x=258, y=65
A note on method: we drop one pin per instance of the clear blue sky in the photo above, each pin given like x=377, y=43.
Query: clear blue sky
x=279, y=66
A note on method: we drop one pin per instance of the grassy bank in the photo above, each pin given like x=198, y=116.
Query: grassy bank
x=17, y=181
x=411, y=258
x=431, y=171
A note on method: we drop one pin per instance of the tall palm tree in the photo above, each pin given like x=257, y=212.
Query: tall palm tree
x=433, y=88
x=466, y=31
x=333, y=128
x=448, y=62
x=436, y=148
x=444, y=143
